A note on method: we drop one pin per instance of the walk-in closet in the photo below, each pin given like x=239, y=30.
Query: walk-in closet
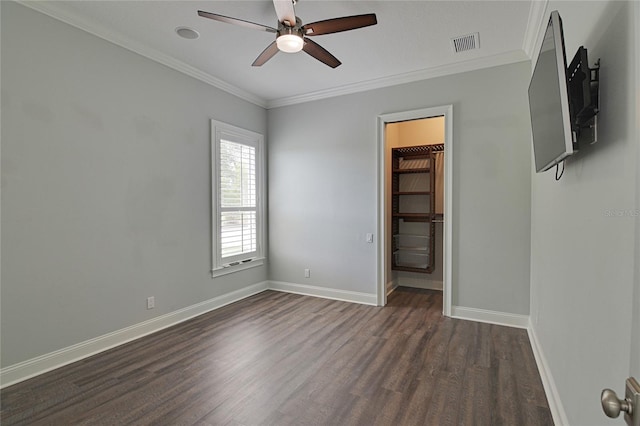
x=415, y=212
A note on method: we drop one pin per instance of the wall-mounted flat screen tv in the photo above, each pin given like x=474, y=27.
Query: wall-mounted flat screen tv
x=553, y=139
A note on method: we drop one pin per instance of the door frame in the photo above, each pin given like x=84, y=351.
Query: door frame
x=634, y=365
x=447, y=112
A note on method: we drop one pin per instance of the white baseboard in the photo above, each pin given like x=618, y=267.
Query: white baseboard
x=47, y=362
x=553, y=398
x=423, y=283
x=491, y=317
x=521, y=321
x=324, y=292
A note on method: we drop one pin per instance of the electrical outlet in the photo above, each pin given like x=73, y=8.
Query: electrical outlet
x=151, y=302
x=307, y=273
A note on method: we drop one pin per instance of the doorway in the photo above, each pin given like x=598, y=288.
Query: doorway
x=384, y=275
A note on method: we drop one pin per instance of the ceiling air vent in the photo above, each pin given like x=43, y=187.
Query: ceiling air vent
x=466, y=42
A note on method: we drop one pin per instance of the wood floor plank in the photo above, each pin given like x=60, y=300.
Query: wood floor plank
x=475, y=407
x=417, y=402
x=286, y=359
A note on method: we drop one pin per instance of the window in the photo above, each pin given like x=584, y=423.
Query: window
x=237, y=197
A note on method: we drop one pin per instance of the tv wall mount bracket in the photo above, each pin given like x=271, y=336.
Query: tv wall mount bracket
x=584, y=95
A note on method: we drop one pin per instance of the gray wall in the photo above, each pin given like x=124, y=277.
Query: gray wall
x=584, y=248
x=322, y=186
x=105, y=186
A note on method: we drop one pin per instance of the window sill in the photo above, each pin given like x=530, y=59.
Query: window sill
x=217, y=272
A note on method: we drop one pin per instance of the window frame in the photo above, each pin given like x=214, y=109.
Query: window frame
x=223, y=131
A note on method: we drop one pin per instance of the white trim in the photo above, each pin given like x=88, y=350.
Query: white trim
x=222, y=131
x=535, y=24
x=537, y=34
x=634, y=354
x=418, y=282
x=491, y=317
x=224, y=270
x=324, y=292
x=27, y=369
x=51, y=9
x=410, y=77
x=447, y=112
x=553, y=397
x=47, y=362
x=447, y=226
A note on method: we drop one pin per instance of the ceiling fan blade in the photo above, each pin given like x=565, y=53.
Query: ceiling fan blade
x=236, y=21
x=320, y=53
x=266, y=54
x=285, y=11
x=337, y=25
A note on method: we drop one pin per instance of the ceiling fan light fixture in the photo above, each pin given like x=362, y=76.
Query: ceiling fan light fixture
x=292, y=37
x=290, y=43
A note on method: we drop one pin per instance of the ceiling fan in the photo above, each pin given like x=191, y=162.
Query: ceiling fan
x=291, y=35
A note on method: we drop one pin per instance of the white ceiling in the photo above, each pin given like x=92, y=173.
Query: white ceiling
x=411, y=41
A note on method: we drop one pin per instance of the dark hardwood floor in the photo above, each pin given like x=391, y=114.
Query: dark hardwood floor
x=285, y=359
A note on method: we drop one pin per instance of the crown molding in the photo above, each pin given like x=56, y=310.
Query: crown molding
x=536, y=14
x=56, y=12
x=410, y=77
x=535, y=23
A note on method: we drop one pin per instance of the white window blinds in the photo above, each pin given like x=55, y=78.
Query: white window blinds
x=238, y=203
x=238, y=199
